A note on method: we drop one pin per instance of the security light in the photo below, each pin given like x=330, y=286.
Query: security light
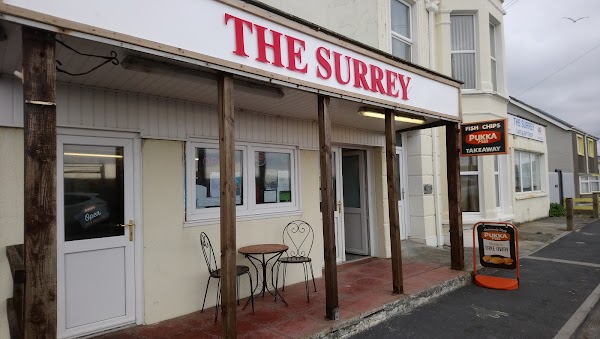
x=371, y=113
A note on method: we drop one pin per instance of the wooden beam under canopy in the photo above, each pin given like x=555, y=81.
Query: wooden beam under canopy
x=457, y=250
x=394, y=213
x=39, y=94
x=327, y=209
x=227, y=207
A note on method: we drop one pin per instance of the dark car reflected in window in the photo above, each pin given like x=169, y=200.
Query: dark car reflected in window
x=93, y=192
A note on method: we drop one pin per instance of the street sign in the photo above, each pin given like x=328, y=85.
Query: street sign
x=498, y=245
x=484, y=138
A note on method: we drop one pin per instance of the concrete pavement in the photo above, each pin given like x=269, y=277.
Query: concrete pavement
x=556, y=282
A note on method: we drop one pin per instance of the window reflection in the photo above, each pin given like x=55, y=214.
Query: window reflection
x=272, y=175
x=208, y=178
x=93, y=191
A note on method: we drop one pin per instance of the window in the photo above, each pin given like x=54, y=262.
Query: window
x=497, y=181
x=591, y=148
x=469, y=184
x=527, y=172
x=589, y=184
x=208, y=177
x=273, y=190
x=463, y=49
x=494, y=64
x=580, y=145
x=401, y=29
x=272, y=176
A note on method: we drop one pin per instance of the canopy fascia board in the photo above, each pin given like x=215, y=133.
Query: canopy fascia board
x=42, y=20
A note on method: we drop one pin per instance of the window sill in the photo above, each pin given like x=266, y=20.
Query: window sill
x=478, y=91
x=470, y=218
x=530, y=195
x=247, y=217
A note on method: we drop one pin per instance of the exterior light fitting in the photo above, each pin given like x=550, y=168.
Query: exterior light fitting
x=367, y=112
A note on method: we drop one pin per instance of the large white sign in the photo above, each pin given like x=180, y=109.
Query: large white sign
x=525, y=128
x=234, y=37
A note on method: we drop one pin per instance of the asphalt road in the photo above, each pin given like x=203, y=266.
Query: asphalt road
x=549, y=294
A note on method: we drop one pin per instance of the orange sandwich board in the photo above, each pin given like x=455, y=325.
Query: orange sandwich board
x=498, y=248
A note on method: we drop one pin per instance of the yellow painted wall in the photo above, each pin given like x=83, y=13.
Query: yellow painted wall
x=174, y=270
x=11, y=210
x=175, y=273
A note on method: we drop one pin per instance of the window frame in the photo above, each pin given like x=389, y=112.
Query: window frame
x=590, y=148
x=249, y=209
x=473, y=51
x=588, y=179
x=517, y=155
x=580, y=145
x=499, y=180
x=493, y=57
x=193, y=213
x=479, y=185
x=404, y=39
x=277, y=206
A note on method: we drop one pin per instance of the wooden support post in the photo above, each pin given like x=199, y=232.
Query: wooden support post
x=392, y=188
x=570, y=222
x=595, y=203
x=39, y=94
x=327, y=208
x=228, y=247
x=457, y=250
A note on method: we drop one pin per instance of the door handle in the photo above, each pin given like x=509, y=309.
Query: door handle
x=130, y=225
x=339, y=206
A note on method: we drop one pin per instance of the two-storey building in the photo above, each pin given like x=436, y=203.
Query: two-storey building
x=572, y=159
x=140, y=100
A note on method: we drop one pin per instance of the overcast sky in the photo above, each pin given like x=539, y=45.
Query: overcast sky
x=539, y=42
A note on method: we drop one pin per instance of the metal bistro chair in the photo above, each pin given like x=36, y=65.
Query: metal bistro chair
x=215, y=272
x=299, y=236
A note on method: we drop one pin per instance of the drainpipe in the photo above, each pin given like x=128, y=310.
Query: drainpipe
x=432, y=7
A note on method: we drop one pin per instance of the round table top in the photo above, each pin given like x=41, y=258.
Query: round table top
x=263, y=249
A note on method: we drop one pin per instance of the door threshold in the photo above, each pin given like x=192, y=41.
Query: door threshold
x=111, y=330
x=351, y=264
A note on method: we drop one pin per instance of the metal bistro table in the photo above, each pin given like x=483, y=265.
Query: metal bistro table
x=256, y=253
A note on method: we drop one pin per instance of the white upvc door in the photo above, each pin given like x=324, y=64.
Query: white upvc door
x=95, y=261
x=402, y=197
x=338, y=215
x=355, y=203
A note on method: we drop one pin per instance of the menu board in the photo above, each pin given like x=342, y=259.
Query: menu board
x=497, y=245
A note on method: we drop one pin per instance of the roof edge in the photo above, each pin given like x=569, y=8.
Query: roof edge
x=549, y=117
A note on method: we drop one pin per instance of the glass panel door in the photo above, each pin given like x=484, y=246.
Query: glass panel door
x=95, y=235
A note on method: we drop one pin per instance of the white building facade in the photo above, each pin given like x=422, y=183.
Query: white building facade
x=138, y=146
x=157, y=112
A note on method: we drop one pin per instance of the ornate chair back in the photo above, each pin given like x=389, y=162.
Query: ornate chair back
x=209, y=253
x=299, y=236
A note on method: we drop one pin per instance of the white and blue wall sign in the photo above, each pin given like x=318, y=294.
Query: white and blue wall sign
x=526, y=129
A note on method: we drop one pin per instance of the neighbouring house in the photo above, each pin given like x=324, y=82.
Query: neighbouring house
x=572, y=159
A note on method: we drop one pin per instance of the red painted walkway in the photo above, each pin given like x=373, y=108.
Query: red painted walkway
x=363, y=286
